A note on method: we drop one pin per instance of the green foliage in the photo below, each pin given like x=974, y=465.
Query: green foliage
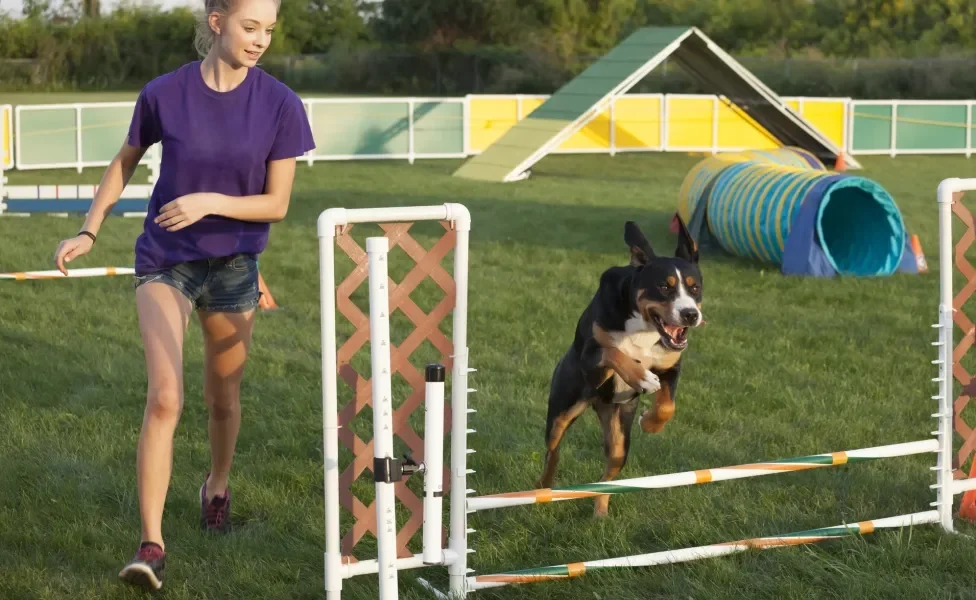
x=316, y=25
x=861, y=48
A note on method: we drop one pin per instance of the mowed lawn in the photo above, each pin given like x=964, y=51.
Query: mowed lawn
x=784, y=367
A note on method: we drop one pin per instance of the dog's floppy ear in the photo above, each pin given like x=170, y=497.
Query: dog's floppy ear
x=687, y=246
x=640, y=248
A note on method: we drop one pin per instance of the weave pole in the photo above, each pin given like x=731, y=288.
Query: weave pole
x=72, y=273
x=667, y=557
x=670, y=480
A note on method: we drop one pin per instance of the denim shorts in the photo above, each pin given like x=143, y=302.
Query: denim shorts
x=225, y=284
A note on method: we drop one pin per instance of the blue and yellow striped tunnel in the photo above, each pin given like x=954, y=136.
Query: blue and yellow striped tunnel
x=785, y=208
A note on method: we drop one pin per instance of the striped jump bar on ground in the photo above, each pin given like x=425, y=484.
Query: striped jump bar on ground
x=55, y=274
x=623, y=486
x=699, y=552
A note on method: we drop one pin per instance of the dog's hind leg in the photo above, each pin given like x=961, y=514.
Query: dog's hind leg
x=566, y=404
x=617, y=421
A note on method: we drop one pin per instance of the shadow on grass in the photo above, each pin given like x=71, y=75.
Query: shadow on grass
x=567, y=227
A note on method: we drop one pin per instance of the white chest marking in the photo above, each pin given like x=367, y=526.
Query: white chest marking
x=640, y=343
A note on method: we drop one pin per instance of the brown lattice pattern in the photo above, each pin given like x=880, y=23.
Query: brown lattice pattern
x=426, y=327
x=959, y=372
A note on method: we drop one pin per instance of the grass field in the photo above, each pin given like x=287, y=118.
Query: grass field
x=785, y=367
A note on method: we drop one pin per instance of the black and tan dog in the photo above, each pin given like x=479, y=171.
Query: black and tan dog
x=628, y=341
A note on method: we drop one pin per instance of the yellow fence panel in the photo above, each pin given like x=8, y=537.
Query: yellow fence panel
x=827, y=115
x=489, y=119
x=736, y=130
x=690, y=122
x=637, y=122
x=7, y=136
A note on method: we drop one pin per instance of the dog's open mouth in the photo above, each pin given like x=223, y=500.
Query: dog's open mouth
x=674, y=337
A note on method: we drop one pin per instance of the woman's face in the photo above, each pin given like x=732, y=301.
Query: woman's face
x=245, y=33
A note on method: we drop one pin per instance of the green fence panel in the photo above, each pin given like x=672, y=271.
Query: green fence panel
x=103, y=131
x=48, y=136
x=872, y=127
x=931, y=127
x=360, y=128
x=438, y=128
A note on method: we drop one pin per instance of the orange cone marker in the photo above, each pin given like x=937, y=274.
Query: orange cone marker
x=920, y=261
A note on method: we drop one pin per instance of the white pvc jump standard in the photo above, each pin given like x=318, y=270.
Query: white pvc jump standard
x=454, y=556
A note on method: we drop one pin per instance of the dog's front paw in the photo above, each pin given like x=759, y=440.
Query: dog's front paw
x=650, y=383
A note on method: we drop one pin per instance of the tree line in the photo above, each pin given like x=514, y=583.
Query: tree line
x=862, y=48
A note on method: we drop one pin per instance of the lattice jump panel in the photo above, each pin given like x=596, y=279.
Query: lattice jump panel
x=353, y=366
x=964, y=285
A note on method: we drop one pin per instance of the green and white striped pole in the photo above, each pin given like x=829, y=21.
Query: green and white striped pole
x=623, y=486
x=571, y=570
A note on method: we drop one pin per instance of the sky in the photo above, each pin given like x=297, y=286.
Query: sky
x=15, y=7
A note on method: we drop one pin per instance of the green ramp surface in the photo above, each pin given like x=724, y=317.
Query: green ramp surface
x=588, y=94
x=574, y=104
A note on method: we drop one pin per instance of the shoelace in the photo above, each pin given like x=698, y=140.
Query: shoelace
x=215, y=510
x=149, y=553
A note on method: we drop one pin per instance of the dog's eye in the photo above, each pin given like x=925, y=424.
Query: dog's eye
x=665, y=288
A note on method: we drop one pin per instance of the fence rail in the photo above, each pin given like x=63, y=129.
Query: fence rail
x=82, y=135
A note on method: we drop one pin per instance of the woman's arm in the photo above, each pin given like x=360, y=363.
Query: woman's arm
x=116, y=177
x=269, y=207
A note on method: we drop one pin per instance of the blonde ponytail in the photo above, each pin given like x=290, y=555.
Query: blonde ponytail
x=204, y=38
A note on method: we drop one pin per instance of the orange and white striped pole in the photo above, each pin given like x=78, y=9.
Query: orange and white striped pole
x=55, y=274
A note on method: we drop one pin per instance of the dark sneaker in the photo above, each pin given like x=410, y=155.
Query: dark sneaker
x=146, y=569
x=214, y=515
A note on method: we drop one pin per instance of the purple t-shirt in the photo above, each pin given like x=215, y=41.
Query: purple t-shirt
x=213, y=142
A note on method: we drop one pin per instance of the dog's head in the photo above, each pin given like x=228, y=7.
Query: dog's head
x=667, y=291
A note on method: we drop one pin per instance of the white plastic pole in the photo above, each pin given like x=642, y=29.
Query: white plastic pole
x=330, y=408
x=379, y=335
x=943, y=467
x=458, y=541
x=433, y=463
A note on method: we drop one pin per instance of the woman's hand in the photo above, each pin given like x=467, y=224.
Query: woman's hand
x=70, y=249
x=185, y=211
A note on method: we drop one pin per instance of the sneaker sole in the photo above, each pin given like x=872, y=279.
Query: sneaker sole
x=140, y=575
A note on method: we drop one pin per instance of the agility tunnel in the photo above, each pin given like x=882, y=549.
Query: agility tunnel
x=784, y=207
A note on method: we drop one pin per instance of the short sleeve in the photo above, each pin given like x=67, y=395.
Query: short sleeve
x=293, y=135
x=144, y=128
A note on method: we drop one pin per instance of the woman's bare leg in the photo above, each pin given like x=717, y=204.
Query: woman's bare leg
x=163, y=316
x=227, y=338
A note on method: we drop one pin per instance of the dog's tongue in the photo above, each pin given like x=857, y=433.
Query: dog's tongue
x=674, y=331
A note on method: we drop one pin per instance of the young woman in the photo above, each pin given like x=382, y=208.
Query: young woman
x=230, y=135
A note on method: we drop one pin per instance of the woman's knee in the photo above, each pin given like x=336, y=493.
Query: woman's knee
x=223, y=398
x=165, y=402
